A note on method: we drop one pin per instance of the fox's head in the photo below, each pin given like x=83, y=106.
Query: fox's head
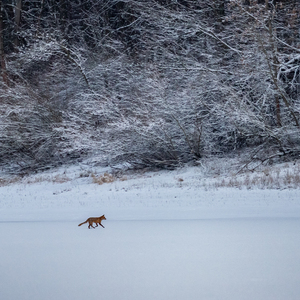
x=103, y=217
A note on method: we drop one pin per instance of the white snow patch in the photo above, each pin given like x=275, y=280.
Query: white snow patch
x=167, y=236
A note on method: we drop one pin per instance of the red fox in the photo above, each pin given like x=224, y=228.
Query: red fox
x=94, y=220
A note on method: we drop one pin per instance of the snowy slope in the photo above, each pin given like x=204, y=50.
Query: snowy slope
x=72, y=194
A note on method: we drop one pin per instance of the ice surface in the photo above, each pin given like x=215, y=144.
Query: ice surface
x=230, y=259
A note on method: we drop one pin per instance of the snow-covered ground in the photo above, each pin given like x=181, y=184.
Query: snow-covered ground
x=168, y=235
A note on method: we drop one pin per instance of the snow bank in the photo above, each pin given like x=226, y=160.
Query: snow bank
x=163, y=195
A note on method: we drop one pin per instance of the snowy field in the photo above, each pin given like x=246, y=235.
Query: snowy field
x=167, y=236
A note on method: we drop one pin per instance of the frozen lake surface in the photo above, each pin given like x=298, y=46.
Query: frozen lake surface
x=230, y=258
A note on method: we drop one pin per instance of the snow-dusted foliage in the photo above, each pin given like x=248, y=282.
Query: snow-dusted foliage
x=148, y=83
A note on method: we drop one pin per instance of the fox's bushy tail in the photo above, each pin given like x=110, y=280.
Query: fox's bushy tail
x=83, y=223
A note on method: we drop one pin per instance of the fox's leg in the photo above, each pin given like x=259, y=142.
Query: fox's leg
x=91, y=224
x=96, y=224
x=101, y=225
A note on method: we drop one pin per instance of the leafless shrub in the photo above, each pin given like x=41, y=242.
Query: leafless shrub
x=60, y=179
x=105, y=178
x=278, y=177
x=11, y=180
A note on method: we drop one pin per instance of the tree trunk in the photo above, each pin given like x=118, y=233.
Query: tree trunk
x=18, y=8
x=2, y=55
x=278, y=118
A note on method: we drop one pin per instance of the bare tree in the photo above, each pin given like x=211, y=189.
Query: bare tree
x=152, y=83
x=2, y=54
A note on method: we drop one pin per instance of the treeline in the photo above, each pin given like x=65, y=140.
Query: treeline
x=154, y=83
